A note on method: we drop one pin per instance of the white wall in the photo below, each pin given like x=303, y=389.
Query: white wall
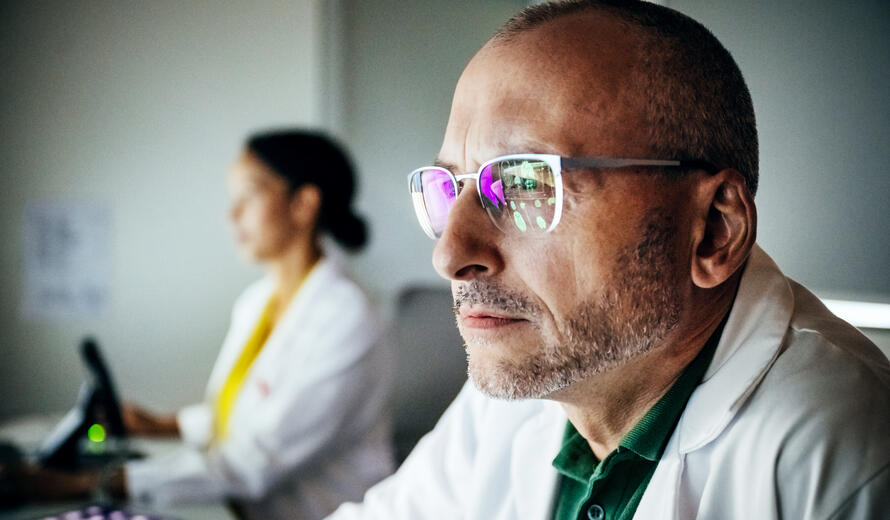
x=139, y=106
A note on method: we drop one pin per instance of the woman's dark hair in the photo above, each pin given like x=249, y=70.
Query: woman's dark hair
x=304, y=157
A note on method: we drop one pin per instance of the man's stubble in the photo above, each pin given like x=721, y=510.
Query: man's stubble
x=633, y=312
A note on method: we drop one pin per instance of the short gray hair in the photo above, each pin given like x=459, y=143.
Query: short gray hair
x=696, y=102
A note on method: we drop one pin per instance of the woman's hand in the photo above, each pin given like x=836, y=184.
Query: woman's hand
x=37, y=484
x=140, y=421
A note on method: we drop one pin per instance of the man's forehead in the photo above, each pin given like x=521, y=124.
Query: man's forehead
x=573, y=42
x=537, y=93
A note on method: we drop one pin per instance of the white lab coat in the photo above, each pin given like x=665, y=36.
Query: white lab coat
x=307, y=430
x=792, y=420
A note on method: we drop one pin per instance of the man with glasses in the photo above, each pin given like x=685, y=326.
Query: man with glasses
x=632, y=352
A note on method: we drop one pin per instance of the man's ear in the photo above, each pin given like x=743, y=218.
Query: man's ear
x=305, y=205
x=728, y=227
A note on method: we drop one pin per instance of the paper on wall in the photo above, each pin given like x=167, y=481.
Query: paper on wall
x=67, y=259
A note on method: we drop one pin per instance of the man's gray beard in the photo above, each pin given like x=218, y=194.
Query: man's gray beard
x=635, y=310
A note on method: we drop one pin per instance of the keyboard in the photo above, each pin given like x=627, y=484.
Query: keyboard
x=104, y=512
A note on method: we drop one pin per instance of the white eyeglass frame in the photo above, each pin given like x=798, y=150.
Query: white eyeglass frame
x=556, y=163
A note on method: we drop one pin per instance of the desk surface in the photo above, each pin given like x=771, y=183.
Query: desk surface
x=28, y=432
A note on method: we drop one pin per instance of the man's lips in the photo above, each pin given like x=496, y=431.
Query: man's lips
x=481, y=319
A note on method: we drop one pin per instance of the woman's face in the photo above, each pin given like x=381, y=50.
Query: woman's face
x=260, y=209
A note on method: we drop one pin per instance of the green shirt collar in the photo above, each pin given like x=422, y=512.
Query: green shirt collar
x=649, y=436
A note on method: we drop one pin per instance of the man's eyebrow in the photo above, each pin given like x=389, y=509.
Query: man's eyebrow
x=447, y=165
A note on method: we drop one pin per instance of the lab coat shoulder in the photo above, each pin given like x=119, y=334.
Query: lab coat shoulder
x=824, y=416
x=791, y=421
x=485, y=459
x=812, y=441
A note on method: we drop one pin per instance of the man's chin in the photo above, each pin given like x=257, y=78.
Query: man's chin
x=497, y=389
x=511, y=381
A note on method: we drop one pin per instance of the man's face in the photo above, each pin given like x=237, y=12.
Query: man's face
x=539, y=314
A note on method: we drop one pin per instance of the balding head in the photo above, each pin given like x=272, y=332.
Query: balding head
x=558, y=86
x=688, y=89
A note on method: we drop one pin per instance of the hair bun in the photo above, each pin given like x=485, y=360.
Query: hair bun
x=350, y=231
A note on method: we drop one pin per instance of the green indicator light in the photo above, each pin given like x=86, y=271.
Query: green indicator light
x=96, y=433
x=537, y=203
x=551, y=201
x=541, y=223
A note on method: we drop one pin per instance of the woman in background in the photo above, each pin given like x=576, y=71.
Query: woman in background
x=292, y=421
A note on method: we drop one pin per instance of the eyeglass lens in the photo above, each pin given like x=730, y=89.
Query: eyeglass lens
x=439, y=193
x=518, y=194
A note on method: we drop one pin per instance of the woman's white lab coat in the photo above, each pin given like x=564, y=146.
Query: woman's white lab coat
x=791, y=421
x=307, y=431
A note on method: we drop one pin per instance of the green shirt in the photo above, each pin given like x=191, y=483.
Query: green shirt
x=611, y=489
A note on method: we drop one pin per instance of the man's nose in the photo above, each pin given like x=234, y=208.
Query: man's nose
x=470, y=244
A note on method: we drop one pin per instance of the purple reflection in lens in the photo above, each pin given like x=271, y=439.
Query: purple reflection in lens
x=493, y=191
x=438, y=196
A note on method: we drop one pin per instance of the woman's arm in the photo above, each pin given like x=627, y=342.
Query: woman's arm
x=139, y=421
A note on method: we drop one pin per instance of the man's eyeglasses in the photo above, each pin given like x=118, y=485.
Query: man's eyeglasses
x=522, y=193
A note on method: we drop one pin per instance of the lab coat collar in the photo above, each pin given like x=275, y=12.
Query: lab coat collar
x=247, y=313
x=305, y=298
x=535, y=445
x=750, y=344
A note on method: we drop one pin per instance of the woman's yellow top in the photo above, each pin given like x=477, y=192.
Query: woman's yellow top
x=225, y=401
